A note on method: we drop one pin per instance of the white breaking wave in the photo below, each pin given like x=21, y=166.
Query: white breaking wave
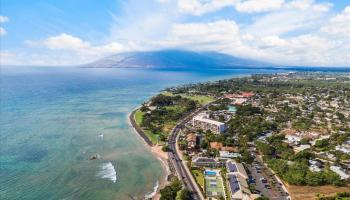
x=108, y=172
x=154, y=192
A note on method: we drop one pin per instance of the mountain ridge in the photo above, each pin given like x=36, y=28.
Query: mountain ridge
x=171, y=59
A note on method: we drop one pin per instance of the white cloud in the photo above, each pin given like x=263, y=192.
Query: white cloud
x=203, y=36
x=251, y=6
x=3, y=19
x=68, y=42
x=65, y=41
x=2, y=31
x=296, y=15
x=83, y=51
x=198, y=7
x=226, y=36
x=339, y=25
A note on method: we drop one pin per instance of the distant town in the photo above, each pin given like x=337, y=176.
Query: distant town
x=275, y=136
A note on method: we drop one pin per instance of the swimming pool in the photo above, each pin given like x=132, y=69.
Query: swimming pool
x=232, y=108
x=210, y=173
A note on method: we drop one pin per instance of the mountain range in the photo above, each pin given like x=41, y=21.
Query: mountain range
x=174, y=59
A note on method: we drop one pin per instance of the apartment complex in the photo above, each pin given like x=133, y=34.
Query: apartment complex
x=203, y=122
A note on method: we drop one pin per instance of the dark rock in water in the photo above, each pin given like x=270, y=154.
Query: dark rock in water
x=94, y=157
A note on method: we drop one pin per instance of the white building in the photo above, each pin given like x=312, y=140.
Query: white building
x=202, y=121
x=341, y=172
x=226, y=154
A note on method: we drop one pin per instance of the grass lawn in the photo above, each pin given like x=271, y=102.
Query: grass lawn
x=166, y=93
x=199, y=176
x=138, y=117
x=151, y=136
x=202, y=99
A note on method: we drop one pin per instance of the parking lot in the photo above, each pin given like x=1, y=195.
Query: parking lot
x=265, y=182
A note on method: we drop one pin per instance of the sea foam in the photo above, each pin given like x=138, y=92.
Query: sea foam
x=108, y=172
x=151, y=194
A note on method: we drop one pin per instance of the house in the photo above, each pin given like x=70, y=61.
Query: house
x=301, y=147
x=315, y=165
x=238, y=101
x=205, y=162
x=342, y=148
x=265, y=135
x=292, y=139
x=340, y=171
x=202, y=121
x=191, y=139
x=226, y=154
x=322, y=137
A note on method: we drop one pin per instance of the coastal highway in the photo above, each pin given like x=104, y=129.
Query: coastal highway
x=180, y=168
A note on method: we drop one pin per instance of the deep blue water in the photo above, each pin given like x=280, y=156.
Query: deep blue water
x=51, y=119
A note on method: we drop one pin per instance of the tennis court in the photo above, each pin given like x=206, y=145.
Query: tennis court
x=213, y=185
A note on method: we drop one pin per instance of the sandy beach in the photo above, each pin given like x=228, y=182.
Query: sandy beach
x=157, y=151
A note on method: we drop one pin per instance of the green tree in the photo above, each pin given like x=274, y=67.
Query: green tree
x=184, y=194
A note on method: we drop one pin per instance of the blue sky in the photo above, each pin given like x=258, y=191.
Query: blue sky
x=67, y=32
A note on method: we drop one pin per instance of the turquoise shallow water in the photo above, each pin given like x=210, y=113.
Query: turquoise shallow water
x=51, y=122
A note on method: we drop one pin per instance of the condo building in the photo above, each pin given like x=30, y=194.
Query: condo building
x=203, y=122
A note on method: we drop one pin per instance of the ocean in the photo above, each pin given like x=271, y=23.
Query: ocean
x=54, y=119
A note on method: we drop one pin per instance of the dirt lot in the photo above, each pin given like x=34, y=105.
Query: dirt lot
x=309, y=193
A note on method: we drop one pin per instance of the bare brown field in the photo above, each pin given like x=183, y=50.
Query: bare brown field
x=309, y=193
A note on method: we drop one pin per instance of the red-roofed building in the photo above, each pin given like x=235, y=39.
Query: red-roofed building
x=247, y=94
x=242, y=95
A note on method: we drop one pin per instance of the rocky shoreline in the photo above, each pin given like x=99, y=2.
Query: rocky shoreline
x=156, y=150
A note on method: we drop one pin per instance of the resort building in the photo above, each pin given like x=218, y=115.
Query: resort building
x=237, y=183
x=236, y=168
x=238, y=187
x=203, y=122
x=205, y=162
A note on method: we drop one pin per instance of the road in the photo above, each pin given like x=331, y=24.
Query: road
x=180, y=168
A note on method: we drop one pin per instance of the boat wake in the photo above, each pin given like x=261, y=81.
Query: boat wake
x=108, y=171
x=154, y=192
